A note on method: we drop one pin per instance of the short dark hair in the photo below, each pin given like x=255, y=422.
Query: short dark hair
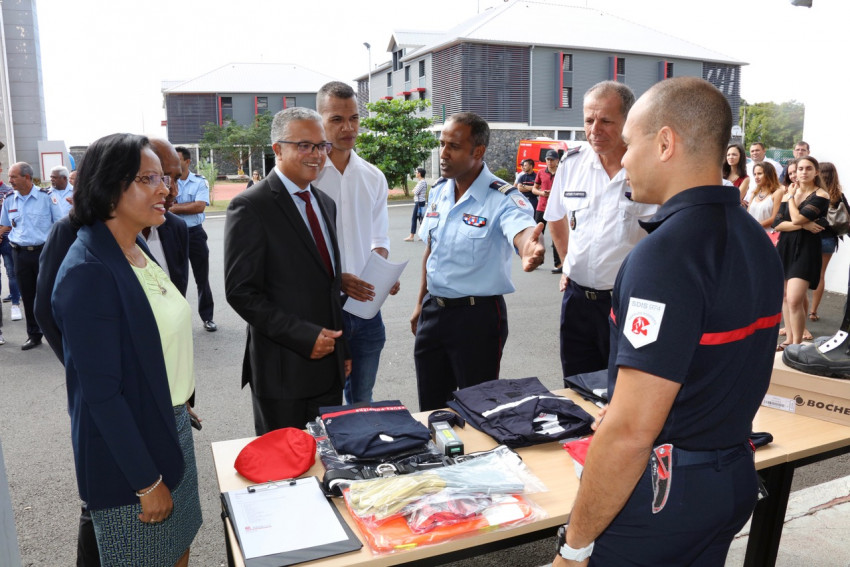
x=478, y=126
x=527, y=160
x=110, y=166
x=184, y=152
x=757, y=144
x=421, y=171
x=696, y=110
x=335, y=89
x=802, y=143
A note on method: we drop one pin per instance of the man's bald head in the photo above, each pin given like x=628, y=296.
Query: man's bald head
x=696, y=111
x=170, y=166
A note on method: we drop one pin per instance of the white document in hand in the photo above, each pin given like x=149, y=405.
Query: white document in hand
x=382, y=274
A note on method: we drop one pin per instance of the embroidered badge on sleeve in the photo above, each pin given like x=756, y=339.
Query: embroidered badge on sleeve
x=643, y=321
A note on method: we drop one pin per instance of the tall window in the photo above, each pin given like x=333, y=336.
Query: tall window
x=665, y=70
x=563, y=80
x=289, y=102
x=617, y=69
x=407, y=74
x=397, y=55
x=225, y=110
x=422, y=68
x=261, y=105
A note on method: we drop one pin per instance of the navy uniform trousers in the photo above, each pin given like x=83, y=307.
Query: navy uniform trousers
x=457, y=346
x=199, y=256
x=709, y=502
x=585, y=332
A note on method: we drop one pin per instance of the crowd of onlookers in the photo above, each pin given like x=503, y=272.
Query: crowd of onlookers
x=803, y=210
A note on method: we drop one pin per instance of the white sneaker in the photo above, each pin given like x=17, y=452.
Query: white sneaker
x=16, y=313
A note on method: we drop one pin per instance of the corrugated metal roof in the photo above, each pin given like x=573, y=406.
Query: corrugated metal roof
x=412, y=38
x=254, y=78
x=557, y=24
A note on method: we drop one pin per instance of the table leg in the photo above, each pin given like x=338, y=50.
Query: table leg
x=227, y=546
x=769, y=517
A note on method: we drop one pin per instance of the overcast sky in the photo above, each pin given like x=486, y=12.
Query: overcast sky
x=103, y=60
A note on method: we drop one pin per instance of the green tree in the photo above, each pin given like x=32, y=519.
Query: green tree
x=776, y=125
x=396, y=140
x=232, y=143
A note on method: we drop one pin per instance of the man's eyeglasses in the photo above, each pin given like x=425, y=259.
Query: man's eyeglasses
x=308, y=147
x=153, y=180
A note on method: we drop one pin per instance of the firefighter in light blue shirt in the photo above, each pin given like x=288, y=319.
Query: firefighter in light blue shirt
x=192, y=198
x=61, y=187
x=26, y=219
x=473, y=223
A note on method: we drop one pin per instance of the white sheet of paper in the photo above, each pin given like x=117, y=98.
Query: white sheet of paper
x=281, y=518
x=382, y=274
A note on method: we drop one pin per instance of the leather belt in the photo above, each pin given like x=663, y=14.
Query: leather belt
x=684, y=458
x=35, y=248
x=592, y=294
x=461, y=301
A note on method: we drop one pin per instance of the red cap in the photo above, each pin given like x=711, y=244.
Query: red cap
x=279, y=454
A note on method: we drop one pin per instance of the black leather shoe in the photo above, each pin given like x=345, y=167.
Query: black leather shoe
x=31, y=343
x=558, y=269
x=210, y=326
x=831, y=358
x=7, y=299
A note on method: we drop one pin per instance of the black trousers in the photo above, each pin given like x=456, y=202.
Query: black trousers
x=271, y=414
x=199, y=257
x=87, y=552
x=585, y=331
x=26, y=271
x=457, y=347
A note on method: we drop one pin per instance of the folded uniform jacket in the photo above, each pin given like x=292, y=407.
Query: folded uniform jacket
x=373, y=430
x=520, y=412
x=592, y=386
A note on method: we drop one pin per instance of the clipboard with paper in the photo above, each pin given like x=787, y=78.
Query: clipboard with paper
x=287, y=522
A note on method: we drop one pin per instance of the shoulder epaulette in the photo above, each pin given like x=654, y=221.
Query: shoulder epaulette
x=440, y=181
x=569, y=153
x=501, y=186
x=47, y=190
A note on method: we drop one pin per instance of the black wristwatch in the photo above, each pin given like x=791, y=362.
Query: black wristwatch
x=568, y=552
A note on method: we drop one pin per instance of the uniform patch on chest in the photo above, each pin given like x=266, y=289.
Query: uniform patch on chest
x=474, y=220
x=643, y=321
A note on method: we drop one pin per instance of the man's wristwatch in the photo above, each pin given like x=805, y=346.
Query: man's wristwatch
x=568, y=552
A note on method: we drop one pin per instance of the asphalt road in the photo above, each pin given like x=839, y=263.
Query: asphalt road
x=34, y=425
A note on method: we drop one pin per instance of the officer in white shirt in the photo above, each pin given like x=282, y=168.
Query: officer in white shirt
x=594, y=225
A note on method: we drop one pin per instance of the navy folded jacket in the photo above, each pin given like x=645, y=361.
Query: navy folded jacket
x=520, y=412
x=369, y=431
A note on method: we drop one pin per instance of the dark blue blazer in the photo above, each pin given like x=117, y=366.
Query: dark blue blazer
x=122, y=423
x=174, y=235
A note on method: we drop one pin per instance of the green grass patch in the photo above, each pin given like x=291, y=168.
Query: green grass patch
x=218, y=206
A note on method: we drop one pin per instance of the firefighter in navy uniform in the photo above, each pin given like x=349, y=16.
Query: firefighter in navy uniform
x=669, y=477
x=473, y=224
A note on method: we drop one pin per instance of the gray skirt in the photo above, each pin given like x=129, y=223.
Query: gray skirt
x=123, y=540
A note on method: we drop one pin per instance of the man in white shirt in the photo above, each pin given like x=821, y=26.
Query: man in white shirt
x=757, y=155
x=359, y=190
x=594, y=225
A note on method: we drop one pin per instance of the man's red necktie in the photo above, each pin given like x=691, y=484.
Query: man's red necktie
x=316, y=229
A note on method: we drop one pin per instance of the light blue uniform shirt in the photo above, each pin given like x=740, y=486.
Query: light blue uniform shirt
x=31, y=216
x=472, y=241
x=302, y=208
x=193, y=188
x=62, y=195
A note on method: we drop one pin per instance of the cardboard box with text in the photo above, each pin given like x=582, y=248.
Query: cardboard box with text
x=805, y=394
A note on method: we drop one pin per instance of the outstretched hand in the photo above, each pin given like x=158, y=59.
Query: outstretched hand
x=533, y=252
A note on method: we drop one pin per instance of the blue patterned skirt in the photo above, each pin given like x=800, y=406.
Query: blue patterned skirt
x=123, y=540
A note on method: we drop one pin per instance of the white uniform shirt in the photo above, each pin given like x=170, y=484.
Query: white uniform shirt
x=362, y=222
x=775, y=165
x=603, y=219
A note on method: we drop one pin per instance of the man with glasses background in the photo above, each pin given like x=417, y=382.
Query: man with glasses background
x=283, y=276
x=359, y=190
x=193, y=196
x=27, y=216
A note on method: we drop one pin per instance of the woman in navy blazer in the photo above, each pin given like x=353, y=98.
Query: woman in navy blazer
x=132, y=443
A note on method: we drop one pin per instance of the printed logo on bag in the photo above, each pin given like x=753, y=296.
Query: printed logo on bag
x=643, y=321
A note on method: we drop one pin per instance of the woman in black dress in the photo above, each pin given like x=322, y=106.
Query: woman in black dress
x=800, y=219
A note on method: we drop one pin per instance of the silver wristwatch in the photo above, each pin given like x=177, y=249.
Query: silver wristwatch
x=568, y=552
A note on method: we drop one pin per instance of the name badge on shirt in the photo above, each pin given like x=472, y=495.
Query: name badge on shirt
x=474, y=220
x=576, y=194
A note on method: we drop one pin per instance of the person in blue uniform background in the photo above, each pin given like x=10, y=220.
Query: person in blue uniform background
x=669, y=478
x=473, y=223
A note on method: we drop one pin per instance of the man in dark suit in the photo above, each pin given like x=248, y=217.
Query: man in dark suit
x=282, y=275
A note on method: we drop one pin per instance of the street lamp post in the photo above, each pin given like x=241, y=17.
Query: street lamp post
x=369, y=80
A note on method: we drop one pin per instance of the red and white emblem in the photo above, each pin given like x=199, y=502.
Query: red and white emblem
x=643, y=321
